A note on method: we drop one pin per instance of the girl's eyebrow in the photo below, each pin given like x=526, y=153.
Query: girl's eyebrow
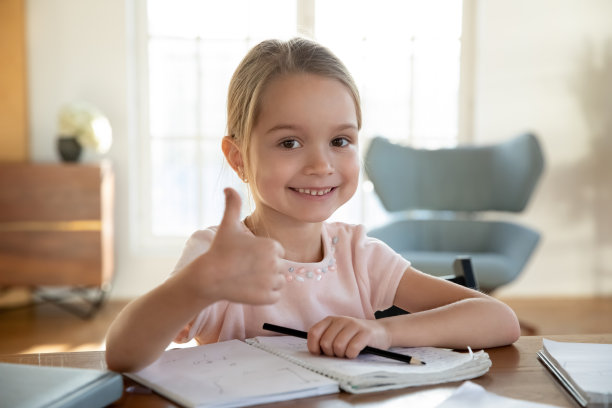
x=282, y=126
x=345, y=126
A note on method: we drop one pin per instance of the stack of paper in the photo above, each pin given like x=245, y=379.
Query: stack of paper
x=584, y=369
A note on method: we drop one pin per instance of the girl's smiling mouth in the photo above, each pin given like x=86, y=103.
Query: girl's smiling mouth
x=313, y=191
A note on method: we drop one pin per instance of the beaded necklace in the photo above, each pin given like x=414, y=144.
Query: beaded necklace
x=300, y=272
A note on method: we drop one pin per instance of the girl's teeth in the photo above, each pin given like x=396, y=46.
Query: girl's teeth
x=313, y=192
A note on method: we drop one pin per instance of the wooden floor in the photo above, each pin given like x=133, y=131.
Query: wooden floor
x=46, y=328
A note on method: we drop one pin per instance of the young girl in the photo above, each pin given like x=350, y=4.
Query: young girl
x=293, y=122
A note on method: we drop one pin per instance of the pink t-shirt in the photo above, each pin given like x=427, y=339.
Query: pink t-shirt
x=357, y=276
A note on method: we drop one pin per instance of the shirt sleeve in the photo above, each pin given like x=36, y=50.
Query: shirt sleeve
x=197, y=244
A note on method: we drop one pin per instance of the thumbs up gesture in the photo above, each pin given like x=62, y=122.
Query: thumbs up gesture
x=239, y=267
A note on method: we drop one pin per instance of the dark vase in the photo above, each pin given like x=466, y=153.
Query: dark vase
x=69, y=149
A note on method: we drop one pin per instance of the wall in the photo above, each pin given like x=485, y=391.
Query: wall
x=537, y=67
x=80, y=50
x=546, y=66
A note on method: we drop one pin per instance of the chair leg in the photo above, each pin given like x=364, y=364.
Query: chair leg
x=82, y=302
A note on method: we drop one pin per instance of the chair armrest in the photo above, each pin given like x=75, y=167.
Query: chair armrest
x=464, y=273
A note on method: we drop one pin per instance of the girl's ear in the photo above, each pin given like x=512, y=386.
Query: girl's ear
x=233, y=155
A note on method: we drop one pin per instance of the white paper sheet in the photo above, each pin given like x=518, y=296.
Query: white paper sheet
x=471, y=395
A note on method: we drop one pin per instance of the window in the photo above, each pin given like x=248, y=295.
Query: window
x=404, y=55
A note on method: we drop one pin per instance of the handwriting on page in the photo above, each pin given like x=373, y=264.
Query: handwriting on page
x=227, y=369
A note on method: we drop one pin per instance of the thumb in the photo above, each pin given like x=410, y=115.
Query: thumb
x=233, y=203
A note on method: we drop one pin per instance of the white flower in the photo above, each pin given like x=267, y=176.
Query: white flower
x=87, y=124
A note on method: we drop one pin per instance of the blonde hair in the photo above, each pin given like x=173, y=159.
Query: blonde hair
x=271, y=59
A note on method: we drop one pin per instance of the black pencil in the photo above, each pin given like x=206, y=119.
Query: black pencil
x=370, y=350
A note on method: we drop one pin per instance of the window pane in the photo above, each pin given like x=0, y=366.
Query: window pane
x=216, y=175
x=385, y=90
x=173, y=85
x=199, y=18
x=436, y=92
x=218, y=60
x=436, y=18
x=227, y=19
x=175, y=187
x=188, y=178
x=272, y=19
x=404, y=55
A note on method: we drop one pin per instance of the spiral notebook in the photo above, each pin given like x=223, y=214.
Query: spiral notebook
x=268, y=369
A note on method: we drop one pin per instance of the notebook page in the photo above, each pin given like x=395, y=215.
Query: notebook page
x=230, y=373
x=436, y=359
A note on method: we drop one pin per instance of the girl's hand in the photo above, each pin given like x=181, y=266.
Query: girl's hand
x=342, y=336
x=238, y=267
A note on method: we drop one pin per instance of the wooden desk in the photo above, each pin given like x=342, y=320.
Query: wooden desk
x=516, y=373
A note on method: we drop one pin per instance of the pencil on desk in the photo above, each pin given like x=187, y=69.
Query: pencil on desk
x=370, y=350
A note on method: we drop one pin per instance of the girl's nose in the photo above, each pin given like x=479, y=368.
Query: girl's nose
x=319, y=162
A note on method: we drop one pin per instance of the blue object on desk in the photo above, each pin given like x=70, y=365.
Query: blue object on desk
x=30, y=386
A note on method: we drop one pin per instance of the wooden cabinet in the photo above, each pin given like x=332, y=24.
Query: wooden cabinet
x=56, y=224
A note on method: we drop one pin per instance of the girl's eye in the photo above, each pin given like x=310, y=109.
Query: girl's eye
x=340, y=142
x=290, y=144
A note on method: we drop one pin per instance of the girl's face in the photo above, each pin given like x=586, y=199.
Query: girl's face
x=304, y=158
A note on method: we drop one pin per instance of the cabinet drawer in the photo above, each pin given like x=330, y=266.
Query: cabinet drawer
x=56, y=224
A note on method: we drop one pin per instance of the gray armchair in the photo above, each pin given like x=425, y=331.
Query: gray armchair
x=440, y=195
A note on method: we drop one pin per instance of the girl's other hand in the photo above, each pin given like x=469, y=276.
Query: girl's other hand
x=238, y=267
x=343, y=336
